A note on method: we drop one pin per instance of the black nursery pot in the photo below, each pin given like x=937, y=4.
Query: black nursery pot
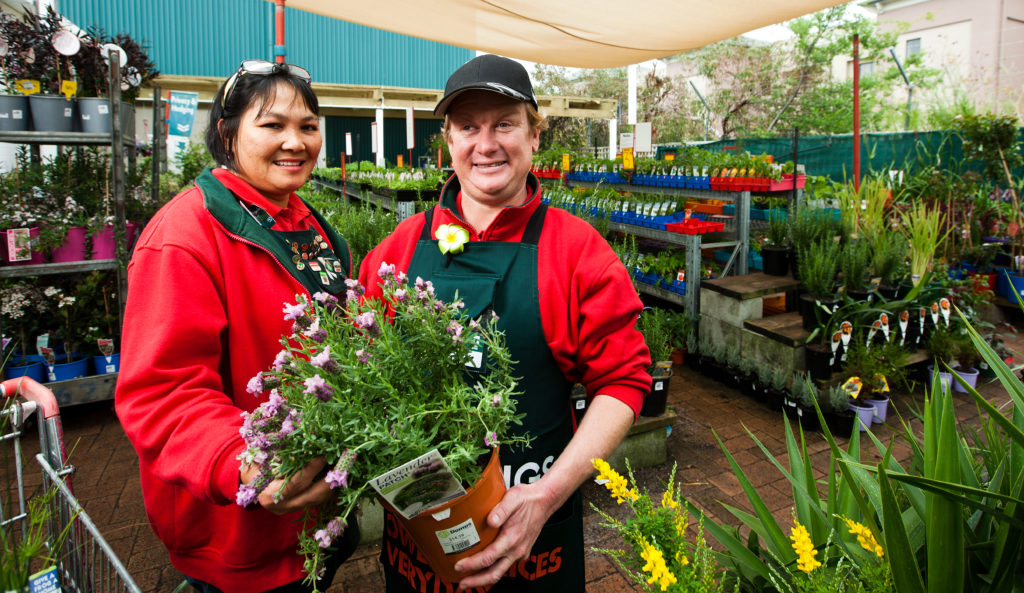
x=775, y=260
x=817, y=359
x=794, y=265
x=810, y=312
x=656, y=400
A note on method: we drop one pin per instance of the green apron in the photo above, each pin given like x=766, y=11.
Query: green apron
x=501, y=276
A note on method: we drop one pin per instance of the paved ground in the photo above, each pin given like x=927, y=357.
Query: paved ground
x=107, y=476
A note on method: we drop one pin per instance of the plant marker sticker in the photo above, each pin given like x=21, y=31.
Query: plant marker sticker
x=944, y=309
x=27, y=87
x=68, y=88
x=837, y=337
x=458, y=538
x=19, y=245
x=44, y=581
x=935, y=314
x=66, y=42
x=904, y=323
x=852, y=387
x=419, y=485
x=883, y=320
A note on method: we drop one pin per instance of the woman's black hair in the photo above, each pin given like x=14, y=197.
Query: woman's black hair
x=248, y=89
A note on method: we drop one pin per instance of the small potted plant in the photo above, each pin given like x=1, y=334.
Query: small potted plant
x=853, y=264
x=404, y=402
x=943, y=343
x=654, y=325
x=775, y=252
x=819, y=264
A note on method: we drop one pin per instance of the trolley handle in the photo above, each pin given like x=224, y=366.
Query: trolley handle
x=32, y=391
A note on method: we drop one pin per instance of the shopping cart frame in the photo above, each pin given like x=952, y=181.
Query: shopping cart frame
x=85, y=561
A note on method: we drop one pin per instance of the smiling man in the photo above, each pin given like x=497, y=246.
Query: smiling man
x=568, y=311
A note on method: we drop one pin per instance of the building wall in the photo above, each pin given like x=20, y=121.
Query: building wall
x=210, y=38
x=978, y=45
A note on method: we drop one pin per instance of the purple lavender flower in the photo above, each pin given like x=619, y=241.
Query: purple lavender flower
x=496, y=400
x=386, y=271
x=281, y=360
x=424, y=289
x=362, y=356
x=322, y=358
x=368, y=322
x=351, y=298
x=314, y=332
x=294, y=312
x=491, y=440
x=455, y=330
x=329, y=533
x=246, y=495
x=319, y=388
x=401, y=295
x=326, y=299
x=337, y=479
x=273, y=403
x=401, y=278
x=255, y=385
x=354, y=285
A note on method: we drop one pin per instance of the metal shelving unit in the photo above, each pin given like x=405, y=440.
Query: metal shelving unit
x=740, y=231
x=91, y=388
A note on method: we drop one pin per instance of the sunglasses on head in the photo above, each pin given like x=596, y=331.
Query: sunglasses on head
x=262, y=68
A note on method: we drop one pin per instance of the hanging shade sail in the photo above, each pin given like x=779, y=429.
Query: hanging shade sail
x=580, y=33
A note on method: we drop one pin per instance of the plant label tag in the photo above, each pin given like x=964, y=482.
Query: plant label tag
x=48, y=356
x=904, y=323
x=27, y=87
x=581, y=404
x=944, y=309
x=44, y=581
x=659, y=386
x=106, y=346
x=42, y=341
x=935, y=314
x=419, y=485
x=883, y=320
x=458, y=538
x=18, y=245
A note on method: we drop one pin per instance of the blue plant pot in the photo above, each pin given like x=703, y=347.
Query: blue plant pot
x=62, y=371
x=33, y=367
x=1010, y=285
x=102, y=365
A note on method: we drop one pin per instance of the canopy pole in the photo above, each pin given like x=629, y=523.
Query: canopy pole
x=279, y=31
x=856, y=112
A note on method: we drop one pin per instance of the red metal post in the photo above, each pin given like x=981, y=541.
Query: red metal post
x=856, y=112
x=279, y=31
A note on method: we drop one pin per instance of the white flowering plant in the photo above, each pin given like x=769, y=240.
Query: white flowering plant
x=371, y=384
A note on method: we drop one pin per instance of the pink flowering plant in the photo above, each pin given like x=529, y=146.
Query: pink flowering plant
x=372, y=384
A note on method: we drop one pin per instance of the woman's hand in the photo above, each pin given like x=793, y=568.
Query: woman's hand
x=305, y=488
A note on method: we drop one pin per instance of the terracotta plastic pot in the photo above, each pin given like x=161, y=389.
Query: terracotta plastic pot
x=460, y=522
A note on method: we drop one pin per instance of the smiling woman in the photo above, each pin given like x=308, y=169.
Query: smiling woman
x=208, y=277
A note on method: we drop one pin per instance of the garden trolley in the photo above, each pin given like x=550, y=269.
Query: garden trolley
x=45, y=509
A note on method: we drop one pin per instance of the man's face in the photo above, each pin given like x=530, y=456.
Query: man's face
x=492, y=147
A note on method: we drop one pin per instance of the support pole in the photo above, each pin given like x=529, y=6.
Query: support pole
x=279, y=31
x=856, y=112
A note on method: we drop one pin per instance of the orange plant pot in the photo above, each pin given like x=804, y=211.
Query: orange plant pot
x=464, y=515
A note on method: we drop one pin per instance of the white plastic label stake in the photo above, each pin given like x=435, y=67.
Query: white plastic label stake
x=458, y=538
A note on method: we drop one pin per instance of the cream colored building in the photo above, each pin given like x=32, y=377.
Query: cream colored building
x=977, y=45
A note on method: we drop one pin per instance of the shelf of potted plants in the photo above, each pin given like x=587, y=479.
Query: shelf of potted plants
x=82, y=389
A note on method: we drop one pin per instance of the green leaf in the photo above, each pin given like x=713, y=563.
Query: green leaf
x=906, y=573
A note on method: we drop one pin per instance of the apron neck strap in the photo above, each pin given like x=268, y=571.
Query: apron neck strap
x=531, y=236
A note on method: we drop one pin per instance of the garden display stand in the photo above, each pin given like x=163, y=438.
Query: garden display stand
x=99, y=387
x=694, y=243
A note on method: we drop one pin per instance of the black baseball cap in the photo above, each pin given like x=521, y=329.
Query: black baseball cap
x=489, y=73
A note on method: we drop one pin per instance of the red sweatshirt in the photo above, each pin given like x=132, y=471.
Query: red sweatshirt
x=588, y=305
x=204, y=315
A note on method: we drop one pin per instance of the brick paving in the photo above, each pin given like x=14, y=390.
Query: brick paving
x=106, y=479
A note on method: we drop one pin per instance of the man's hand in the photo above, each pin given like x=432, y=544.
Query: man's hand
x=302, y=490
x=520, y=516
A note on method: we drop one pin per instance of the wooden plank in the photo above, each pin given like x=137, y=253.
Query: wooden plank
x=786, y=328
x=83, y=390
x=58, y=268
x=751, y=286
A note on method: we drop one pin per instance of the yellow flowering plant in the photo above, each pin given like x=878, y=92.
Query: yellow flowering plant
x=658, y=555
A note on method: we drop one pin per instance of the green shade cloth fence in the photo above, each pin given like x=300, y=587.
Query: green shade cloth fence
x=832, y=156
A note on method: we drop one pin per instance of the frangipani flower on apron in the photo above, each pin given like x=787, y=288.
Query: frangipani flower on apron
x=451, y=238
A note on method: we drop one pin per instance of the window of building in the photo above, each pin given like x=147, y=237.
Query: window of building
x=866, y=69
x=913, y=47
